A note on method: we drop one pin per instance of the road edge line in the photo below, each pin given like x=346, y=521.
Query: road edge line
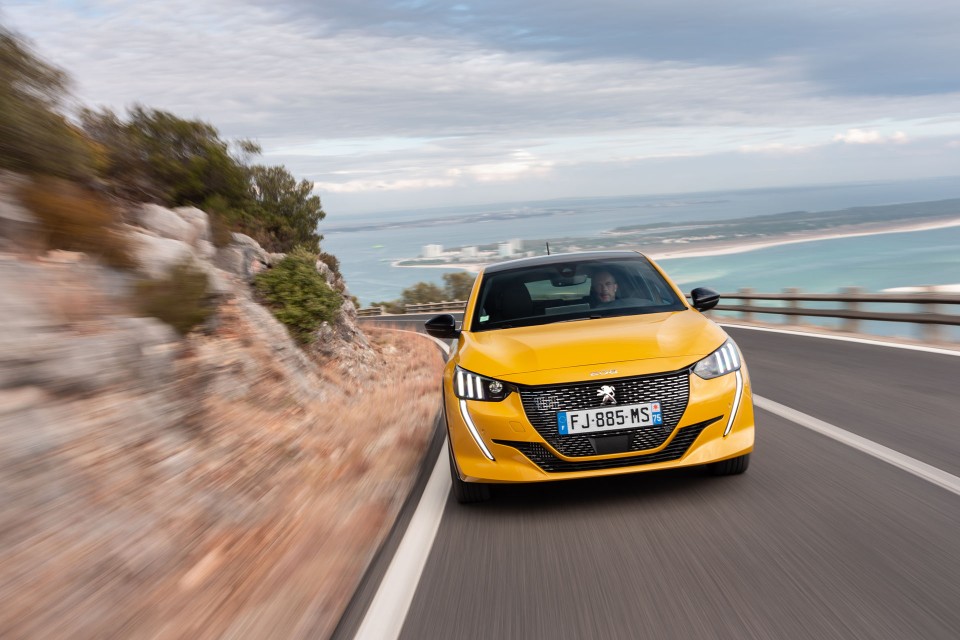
x=902, y=461
x=388, y=611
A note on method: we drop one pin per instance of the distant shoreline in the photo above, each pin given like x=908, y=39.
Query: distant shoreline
x=726, y=247
x=721, y=248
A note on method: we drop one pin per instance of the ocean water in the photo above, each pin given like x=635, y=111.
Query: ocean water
x=872, y=262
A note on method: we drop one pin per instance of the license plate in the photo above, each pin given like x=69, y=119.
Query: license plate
x=628, y=416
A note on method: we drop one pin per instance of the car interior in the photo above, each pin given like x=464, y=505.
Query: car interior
x=548, y=293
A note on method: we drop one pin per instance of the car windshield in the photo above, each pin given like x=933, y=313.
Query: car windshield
x=575, y=290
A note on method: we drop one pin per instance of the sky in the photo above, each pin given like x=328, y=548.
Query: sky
x=408, y=104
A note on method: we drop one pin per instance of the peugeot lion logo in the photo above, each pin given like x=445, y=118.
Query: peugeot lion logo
x=608, y=394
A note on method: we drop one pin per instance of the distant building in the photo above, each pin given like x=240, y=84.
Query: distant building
x=505, y=249
x=469, y=252
x=517, y=245
x=432, y=250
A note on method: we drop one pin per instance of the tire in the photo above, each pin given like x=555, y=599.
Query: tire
x=465, y=492
x=731, y=467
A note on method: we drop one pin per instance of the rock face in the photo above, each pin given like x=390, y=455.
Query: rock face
x=154, y=485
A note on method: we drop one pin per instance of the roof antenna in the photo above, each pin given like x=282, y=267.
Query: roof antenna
x=548, y=248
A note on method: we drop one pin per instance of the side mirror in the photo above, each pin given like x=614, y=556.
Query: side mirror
x=442, y=326
x=704, y=299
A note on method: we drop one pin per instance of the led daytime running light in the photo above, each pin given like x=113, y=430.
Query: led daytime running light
x=470, y=386
x=472, y=428
x=736, y=404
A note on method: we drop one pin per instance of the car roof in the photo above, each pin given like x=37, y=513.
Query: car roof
x=559, y=258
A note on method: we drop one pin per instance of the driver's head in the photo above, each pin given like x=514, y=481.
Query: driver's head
x=603, y=286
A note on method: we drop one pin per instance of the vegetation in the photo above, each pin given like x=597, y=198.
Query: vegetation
x=457, y=286
x=286, y=211
x=298, y=294
x=75, y=218
x=181, y=299
x=35, y=137
x=148, y=156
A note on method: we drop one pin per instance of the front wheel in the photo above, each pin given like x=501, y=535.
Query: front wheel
x=465, y=492
x=731, y=467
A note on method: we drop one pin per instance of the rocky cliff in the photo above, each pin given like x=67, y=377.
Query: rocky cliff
x=223, y=483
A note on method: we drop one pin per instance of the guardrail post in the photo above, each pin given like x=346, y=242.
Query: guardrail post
x=931, y=332
x=851, y=324
x=792, y=304
x=746, y=316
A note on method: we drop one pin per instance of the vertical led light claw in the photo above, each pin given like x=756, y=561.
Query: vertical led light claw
x=736, y=403
x=472, y=428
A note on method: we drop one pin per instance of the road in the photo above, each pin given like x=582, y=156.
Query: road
x=817, y=540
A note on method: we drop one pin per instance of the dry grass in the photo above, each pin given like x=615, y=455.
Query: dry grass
x=75, y=218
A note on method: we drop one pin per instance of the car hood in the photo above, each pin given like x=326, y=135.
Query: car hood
x=645, y=343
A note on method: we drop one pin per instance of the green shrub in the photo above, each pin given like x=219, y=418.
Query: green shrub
x=75, y=218
x=298, y=295
x=181, y=299
x=35, y=137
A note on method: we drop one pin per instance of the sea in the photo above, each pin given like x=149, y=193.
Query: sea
x=367, y=244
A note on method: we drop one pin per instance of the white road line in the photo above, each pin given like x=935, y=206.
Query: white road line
x=911, y=465
x=384, y=619
x=877, y=342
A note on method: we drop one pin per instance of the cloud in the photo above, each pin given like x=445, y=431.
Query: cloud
x=522, y=165
x=360, y=186
x=861, y=136
x=408, y=96
x=775, y=148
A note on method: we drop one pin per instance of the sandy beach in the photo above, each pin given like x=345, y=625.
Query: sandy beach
x=725, y=247
x=707, y=248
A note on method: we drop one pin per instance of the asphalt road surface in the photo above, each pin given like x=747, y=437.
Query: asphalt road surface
x=817, y=540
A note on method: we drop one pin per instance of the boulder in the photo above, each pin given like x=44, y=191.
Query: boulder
x=157, y=255
x=19, y=229
x=243, y=257
x=165, y=223
x=198, y=219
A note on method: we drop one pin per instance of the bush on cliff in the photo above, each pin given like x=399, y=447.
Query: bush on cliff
x=286, y=210
x=155, y=156
x=158, y=157
x=181, y=299
x=75, y=218
x=35, y=138
x=298, y=295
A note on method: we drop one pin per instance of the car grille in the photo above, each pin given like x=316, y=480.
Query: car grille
x=543, y=458
x=542, y=403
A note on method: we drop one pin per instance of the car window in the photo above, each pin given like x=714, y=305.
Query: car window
x=575, y=290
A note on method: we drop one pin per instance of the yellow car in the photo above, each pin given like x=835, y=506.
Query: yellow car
x=589, y=364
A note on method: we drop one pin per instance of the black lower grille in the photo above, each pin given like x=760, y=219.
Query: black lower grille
x=543, y=458
x=541, y=404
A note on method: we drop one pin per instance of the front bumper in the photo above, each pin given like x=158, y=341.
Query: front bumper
x=521, y=454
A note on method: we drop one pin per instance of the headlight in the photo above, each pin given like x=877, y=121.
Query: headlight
x=724, y=360
x=470, y=386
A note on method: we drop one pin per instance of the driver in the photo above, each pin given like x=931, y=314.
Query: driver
x=603, y=288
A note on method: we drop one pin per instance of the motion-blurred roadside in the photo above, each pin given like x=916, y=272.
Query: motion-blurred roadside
x=193, y=430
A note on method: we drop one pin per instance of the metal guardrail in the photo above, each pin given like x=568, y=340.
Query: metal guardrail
x=449, y=305
x=368, y=312
x=931, y=310
x=427, y=307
